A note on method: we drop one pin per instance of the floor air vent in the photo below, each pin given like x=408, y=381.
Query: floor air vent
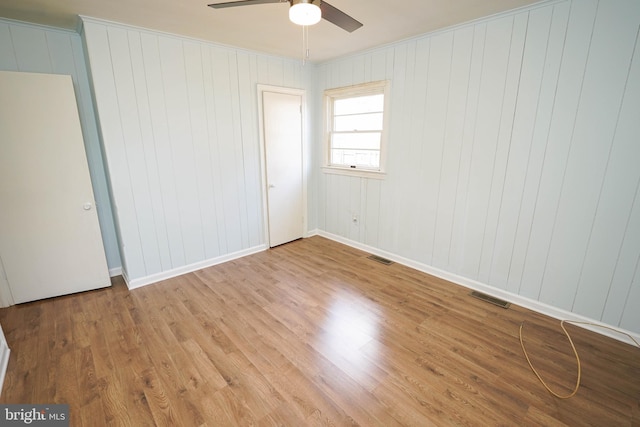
x=490, y=299
x=381, y=260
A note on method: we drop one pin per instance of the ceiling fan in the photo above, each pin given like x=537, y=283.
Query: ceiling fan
x=310, y=12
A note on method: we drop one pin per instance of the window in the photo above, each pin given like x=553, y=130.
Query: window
x=356, y=120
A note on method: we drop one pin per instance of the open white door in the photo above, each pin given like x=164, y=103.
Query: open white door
x=50, y=242
x=282, y=139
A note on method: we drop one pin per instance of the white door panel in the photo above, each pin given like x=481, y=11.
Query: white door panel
x=282, y=119
x=50, y=242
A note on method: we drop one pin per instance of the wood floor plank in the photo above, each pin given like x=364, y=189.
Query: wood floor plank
x=283, y=415
x=114, y=403
x=158, y=398
x=314, y=406
x=308, y=333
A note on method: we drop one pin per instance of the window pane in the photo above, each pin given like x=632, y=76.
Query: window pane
x=360, y=104
x=363, y=159
x=372, y=121
x=354, y=116
x=361, y=141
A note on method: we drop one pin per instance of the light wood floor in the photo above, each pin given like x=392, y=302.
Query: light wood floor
x=309, y=333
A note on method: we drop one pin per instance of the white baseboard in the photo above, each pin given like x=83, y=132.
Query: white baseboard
x=154, y=278
x=531, y=304
x=4, y=358
x=113, y=272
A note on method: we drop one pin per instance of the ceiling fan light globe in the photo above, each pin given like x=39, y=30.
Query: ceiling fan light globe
x=305, y=14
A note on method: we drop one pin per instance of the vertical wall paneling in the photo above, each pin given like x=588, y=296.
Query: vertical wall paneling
x=452, y=145
x=541, y=65
x=174, y=85
x=559, y=135
x=396, y=158
x=618, y=186
x=378, y=67
x=613, y=39
x=32, y=48
x=197, y=121
x=275, y=71
x=370, y=216
x=197, y=91
x=387, y=188
x=330, y=204
x=317, y=193
x=504, y=144
x=354, y=198
x=8, y=61
x=226, y=150
x=358, y=69
x=179, y=124
x=243, y=202
x=132, y=148
x=512, y=157
x=216, y=216
x=470, y=118
x=311, y=130
x=630, y=316
x=418, y=139
x=361, y=207
x=157, y=254
x=60, y=53
x=626, y=268
x=159, y=161
x=343, y=204
x=485, y=142
x=246, y=75
x=436, y=110
x=405, y=166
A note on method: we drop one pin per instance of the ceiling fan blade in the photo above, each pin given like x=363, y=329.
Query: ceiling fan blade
x=338, y=17
x=244, y=3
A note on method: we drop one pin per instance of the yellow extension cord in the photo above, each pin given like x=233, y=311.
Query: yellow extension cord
x=577, y=386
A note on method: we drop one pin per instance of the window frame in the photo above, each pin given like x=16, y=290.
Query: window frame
x=330, y=96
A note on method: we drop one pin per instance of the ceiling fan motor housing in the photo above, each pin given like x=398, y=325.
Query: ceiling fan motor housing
x=294, y=2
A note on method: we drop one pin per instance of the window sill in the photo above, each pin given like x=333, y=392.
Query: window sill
x=362, y=173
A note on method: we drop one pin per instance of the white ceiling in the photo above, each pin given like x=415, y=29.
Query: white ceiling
x=266, y=27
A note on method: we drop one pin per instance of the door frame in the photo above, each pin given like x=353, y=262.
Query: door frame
x=263, y=158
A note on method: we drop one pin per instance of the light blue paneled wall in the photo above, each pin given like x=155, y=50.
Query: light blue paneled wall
x=37, y=49
x=514, y=156
x=179, y=123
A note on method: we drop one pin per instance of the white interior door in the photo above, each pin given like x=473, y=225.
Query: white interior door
x=282, y=120
x=50, y=242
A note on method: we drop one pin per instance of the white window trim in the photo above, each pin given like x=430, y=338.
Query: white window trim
x=346, y=92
